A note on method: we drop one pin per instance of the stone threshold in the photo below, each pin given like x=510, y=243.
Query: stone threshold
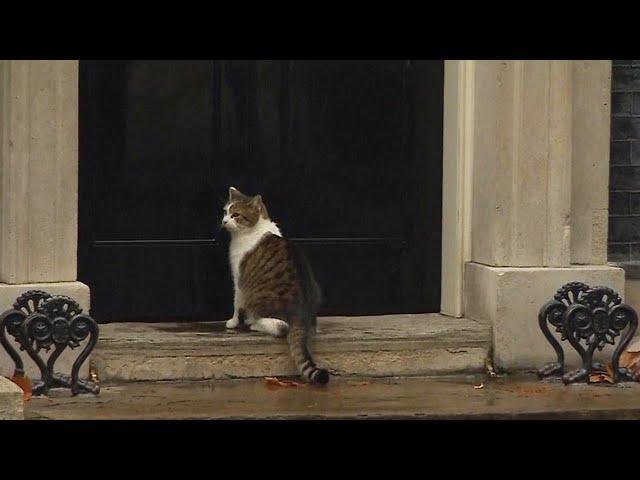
x=376, y=346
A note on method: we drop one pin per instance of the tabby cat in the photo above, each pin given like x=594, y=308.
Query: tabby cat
x=275, y=291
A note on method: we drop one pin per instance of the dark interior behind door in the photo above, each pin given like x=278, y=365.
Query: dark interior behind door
x=347, y=155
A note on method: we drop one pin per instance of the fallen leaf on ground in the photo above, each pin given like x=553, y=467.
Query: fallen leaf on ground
x=525, y=391
x=600, y=377
x=630, y=360
x=478, y=387
x=25, y=384
x=634, y=347
x=276, y=382
x=610, y=370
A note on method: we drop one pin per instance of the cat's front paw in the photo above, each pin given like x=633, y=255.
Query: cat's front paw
x=232, y=322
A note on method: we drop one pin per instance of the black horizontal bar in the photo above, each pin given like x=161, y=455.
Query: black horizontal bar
x=352, y=241
x=153, y=243
x=346, y=241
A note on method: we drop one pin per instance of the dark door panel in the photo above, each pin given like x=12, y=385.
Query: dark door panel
x=347, y=155
x=357, y=276
x=159, y=280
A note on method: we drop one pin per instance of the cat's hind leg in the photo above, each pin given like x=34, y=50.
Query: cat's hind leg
x=272, y=326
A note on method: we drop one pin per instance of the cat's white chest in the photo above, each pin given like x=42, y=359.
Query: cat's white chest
x=239, y=248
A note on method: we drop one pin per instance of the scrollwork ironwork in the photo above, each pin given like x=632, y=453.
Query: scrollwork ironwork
x=40, y=321
x=593, y=316
x=552, y=313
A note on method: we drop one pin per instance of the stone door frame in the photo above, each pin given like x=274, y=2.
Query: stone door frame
x=525, y=193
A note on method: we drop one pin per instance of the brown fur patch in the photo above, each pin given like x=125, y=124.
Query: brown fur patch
x=268, y=278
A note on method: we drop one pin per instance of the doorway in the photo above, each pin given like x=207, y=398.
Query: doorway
x=346, y=154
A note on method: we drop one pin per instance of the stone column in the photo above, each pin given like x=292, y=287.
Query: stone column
x=38, y=182
x=539, y=196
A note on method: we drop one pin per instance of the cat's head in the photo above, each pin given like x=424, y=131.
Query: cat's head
x=242, y=212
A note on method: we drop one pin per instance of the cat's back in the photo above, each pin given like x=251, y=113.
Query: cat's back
x=276, y=268
x=271, y=259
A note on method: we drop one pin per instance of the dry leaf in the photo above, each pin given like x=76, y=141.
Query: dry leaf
x=634, y=347
x=600, y=377
x=25, y=384
x=525, y=392
x=478, y=387
x=595, y=378
x=630, y=360
x=610, y=370
x=276, y=382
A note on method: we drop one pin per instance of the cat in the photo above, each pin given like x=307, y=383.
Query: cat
x=275, y=291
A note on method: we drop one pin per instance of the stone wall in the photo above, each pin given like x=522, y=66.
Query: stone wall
x=540, y=163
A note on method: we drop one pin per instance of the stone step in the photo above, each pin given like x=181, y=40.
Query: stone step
x=11, y=404
x=423, y=344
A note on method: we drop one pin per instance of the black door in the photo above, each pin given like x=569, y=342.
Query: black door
x=347, y=156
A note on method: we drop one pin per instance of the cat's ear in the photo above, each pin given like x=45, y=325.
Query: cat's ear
x=234, y=194
x=257, y=201
x=259, y=204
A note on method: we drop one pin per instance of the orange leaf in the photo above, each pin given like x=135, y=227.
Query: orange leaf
x=25, y=384
x=610, y=370
x=635, y=346
x=600, y=378
x=276, y=382
x=478, y=387
x=630, y=360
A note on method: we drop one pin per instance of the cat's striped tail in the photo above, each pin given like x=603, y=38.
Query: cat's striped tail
x=298, y=337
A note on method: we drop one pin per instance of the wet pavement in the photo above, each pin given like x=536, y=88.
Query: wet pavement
x=461, y=397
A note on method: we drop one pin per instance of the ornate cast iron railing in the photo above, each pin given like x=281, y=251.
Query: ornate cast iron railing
x=593, y=316
x=39, y=321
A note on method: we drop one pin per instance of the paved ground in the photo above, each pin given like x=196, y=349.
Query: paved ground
x=522, y=397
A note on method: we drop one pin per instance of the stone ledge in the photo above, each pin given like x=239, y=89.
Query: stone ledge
x=11, y=404
x=424, y=344
x=631, y=269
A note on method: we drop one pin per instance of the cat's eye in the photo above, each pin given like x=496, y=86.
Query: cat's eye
x=235, y=215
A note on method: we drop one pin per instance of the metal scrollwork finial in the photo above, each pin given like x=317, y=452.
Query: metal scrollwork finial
x=39, y=322
x=595, y=317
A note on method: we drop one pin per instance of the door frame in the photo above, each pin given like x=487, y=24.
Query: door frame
x=457, y=170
